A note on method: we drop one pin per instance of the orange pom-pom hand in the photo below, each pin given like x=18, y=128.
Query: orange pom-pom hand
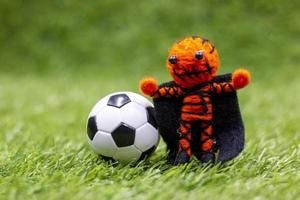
x=240, y=78
x=148, y=86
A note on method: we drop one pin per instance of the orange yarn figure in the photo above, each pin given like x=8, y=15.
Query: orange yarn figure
x=193, y=63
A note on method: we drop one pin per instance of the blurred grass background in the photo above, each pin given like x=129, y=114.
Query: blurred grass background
x=64, y=36
x=57, y=58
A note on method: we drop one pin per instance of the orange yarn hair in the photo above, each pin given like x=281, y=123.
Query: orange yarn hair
x=187, y=65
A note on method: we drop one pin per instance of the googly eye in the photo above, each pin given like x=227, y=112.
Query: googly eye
x=173, y=59
x=199, y=55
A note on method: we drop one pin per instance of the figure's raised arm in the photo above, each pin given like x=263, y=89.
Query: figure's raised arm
x=240, y=79
x=149, y=87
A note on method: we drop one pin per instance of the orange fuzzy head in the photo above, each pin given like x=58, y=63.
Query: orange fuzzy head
x=192, y=61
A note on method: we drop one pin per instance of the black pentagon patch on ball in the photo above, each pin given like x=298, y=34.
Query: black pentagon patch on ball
x=118, y=100
x=92, y=127
x=151, y=117
x=147, y=153
x=124, y=135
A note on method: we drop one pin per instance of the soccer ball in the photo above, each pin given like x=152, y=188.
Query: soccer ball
x=122, y=127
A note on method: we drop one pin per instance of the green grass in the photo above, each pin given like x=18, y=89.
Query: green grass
x=57, y=58
x=44, y=152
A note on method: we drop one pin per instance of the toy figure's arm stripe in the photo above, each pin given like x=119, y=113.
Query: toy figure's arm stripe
x=168, y=92
x=221, y=88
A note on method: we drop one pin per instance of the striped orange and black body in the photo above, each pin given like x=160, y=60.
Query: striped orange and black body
x=196, y=107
